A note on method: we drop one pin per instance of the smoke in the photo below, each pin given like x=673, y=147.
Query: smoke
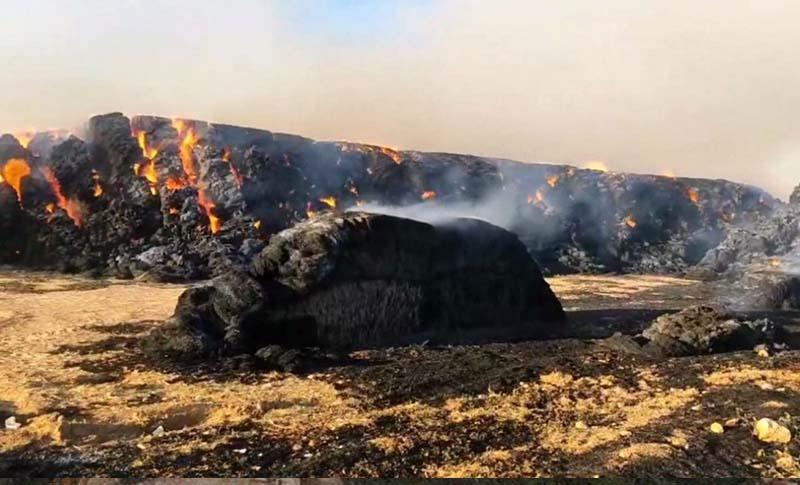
x=496, y=208
x=697, y=88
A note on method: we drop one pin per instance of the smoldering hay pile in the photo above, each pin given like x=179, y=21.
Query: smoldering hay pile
x=358, y=280
x=186, y=199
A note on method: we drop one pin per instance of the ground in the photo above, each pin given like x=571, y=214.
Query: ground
x=91, y=402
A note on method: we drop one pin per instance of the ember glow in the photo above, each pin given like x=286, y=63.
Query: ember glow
x=552, y=180
x=630, y=221
x=98, y=189
x=537, y=198
x=596, y=165
x=693, y=195
x=14, y=171
x=393, y=154
x=70, y=206
x=175, y=183
x=330, y=201
x=428, y=195
x=226, y=156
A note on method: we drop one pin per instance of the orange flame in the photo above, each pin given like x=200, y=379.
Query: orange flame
x=208, y=205
x=774, y=262
x=50, y=207
x=14, y=171
x=537, y=198
x=257, y=224
x=98, y=189
x=330, y=201
x=148, y=151
x=24, y=138
x=428, y=195
x=72, y=207
x=174, y=211
x=189, y=140
x=630, y=221
x=552, y=180
x=310, y=213
x=693, y=195
x=148, y=170
x=175, y=183
x=393, y=154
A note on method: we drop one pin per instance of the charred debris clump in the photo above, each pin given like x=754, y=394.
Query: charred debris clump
x=185, y=199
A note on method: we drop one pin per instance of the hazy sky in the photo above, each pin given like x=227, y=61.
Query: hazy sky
x=702, y=88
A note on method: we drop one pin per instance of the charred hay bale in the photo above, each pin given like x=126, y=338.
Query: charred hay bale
x=220, y=180
x=238, y=137
x=273, y=190
x=110, y=136
x=447, y=177
x=72, y=167
x=355, y=280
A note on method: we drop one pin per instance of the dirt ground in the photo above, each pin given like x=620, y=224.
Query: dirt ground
x=90, y=402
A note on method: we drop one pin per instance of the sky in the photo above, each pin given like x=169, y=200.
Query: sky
x=706, y=88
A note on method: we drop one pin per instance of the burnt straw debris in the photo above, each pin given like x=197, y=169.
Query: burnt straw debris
x=463, y=281
x=699, y=330
x=176, y=200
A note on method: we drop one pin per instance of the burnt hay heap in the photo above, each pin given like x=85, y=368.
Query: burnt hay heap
x=184, y=199
x=358, y=280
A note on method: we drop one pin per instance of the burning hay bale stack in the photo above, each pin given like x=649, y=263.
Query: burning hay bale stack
x=356, y=280
x=758, y=263
x=596, y=221
x=181, y=199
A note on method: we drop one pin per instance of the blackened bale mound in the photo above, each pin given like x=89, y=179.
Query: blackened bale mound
x=357, y=280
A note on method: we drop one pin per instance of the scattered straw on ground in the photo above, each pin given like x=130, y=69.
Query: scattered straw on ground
x=72, y=373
